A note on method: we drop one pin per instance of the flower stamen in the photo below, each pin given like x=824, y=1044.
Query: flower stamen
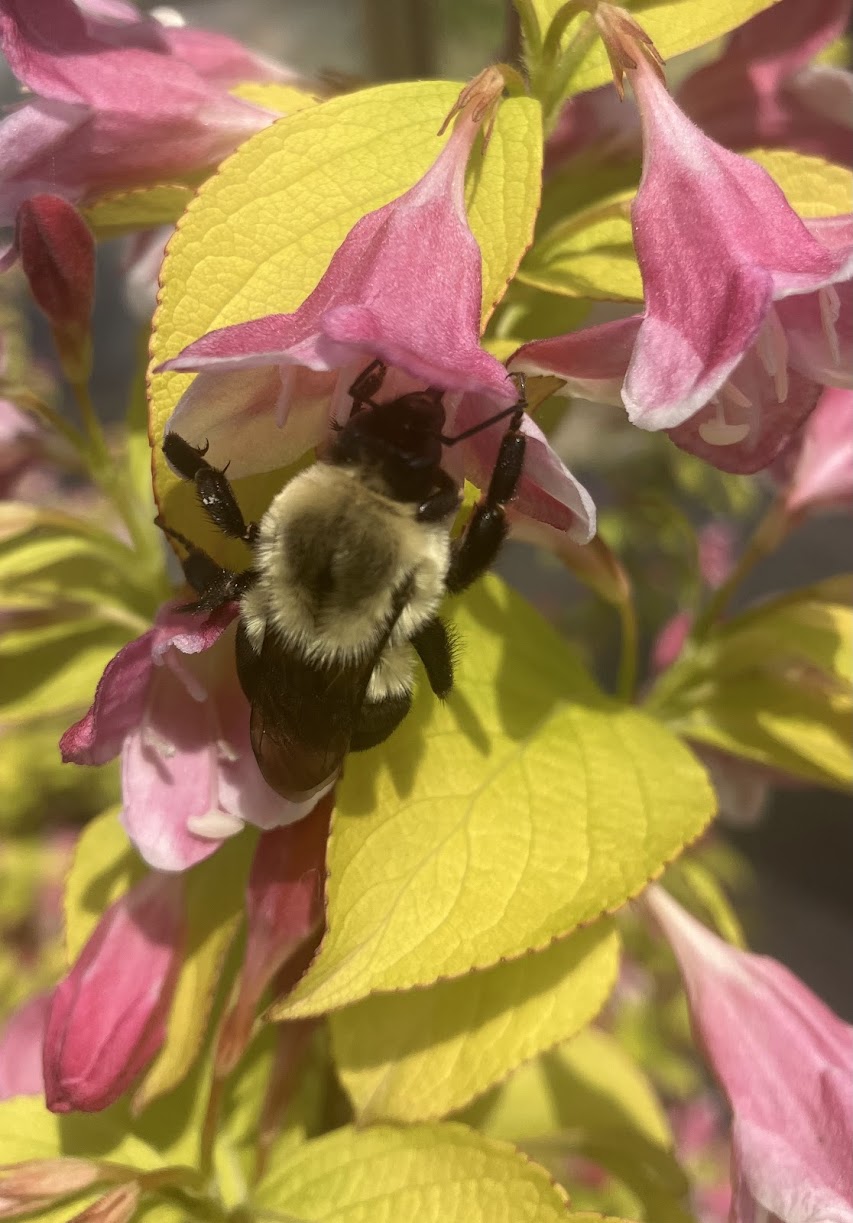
x=287, y=376
x=214, y=825
x=772, y=349
x=830, y=308
x=719, y=431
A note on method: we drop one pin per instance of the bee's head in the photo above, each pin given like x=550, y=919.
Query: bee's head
x=401, y=438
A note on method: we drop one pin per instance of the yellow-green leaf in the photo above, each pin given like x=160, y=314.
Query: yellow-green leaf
x=124, y=212
x=674, y=26
x=105, y=866
x=432, y=1174
x=590, y=1083
x=260, y=234
x=527, y=805
x=814, y=187
x=586, y=257
x=772, y=685
x=55, y=669
x=214, y=896
x=274, y=95
x=419, y=1055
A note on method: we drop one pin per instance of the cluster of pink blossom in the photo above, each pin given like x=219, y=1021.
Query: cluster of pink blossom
x=742, y=354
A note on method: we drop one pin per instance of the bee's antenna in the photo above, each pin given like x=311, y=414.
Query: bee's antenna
x=516, y=409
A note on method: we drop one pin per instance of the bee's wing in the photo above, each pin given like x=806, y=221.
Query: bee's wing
x=303, y=714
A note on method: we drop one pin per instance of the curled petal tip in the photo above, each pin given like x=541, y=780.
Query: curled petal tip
x=627, y=44
x=479, y=98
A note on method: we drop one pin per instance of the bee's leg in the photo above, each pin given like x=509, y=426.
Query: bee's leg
x=475, y=550
x=213, y=488
x=214, y=585
x=436, y=648
x=443, y=501
x=367, y=384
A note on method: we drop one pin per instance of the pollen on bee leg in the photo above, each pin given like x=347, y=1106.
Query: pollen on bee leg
x=720, y=432
x=830, y=308
x=214, y=824
x=772, y=349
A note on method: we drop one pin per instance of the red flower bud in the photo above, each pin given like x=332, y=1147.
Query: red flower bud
x=58, y=257
x=107, y=1019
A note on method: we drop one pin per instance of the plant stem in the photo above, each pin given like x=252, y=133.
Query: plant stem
x=627, y=678
x=112, y=480
x=556, y=86
x=768, y=535
x=210, y=1126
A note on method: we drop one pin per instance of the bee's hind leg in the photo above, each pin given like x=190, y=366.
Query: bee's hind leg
x=214, y=585
x=213, y=487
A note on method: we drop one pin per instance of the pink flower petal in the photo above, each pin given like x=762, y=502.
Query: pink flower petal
x=236, y=413
x=121, y=695
x=220, y=59
x=783, y=1060
x=117, y=708
x=819, y=334
x=117, y=110
x=755, y=95
x=822, y=473
x=169, y=777
x=593, y=361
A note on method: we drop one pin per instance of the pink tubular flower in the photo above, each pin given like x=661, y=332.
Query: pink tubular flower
x=171, y=703
x=404, y=286
x=783, y=1060
x=107, y=1018
x=764, y=92
x=818, y=468
x=117, y=103
x=21, y=1041
x=743, y=322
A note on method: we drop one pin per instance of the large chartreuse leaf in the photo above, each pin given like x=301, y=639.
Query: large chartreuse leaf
x=260, y=234
x=527, y=805
x=773, y=685
x=674, y=26
x=429, y=1173
x=421, y=1054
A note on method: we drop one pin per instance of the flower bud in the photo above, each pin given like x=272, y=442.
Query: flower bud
x=284, y=907
x=117, y=1206
x=58, y=257
x=107, y=1019
x=40, y=1179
